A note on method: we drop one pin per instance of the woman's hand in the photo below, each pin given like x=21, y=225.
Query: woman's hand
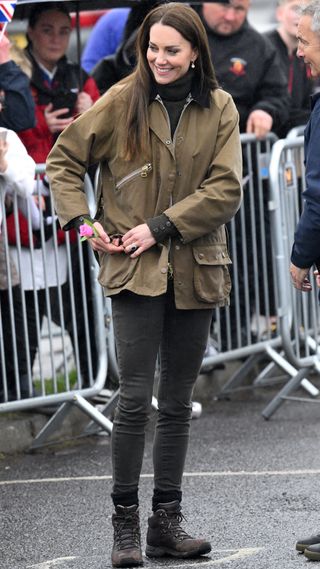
x=137, y=240
x=53, y=120
x=104, y=243
x=84, y=102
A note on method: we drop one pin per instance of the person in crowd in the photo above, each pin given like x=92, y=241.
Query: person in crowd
x=167, y=139
x=61, y=90
x=299, y=81
x=112, y=68
x=105, y=37
x=15, y=94
x=306, y=246
x=17, y=170
x=247, y=66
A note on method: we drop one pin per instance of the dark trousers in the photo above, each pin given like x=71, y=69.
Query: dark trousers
x=143, y=326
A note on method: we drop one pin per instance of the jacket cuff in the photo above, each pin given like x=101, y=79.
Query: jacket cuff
x=77, y=221
x=162, y=228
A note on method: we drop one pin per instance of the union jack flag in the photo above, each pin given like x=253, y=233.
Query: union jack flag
x=6, y=11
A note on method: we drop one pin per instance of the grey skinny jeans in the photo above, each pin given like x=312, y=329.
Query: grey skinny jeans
x=142, y=326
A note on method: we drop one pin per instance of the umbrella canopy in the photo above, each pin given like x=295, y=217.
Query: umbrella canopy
x=23, y=6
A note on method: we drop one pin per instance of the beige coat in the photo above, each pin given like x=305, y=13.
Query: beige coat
x=195, y=179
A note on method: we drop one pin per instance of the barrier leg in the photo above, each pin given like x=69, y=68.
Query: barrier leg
x=287, y=367
x=52, y=425
x=290, y=386
x=106, y=410
x=239, y=376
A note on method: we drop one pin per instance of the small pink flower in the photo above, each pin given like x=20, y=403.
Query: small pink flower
x=85, y=230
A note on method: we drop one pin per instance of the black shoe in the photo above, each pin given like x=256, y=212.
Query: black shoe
x=313, y=551
x=303, y=544
x=166, y=537
x=126, y=550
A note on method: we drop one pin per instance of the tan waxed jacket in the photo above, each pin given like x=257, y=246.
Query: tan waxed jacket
x=195, y=179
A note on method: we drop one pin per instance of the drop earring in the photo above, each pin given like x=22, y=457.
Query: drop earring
x=192, y=65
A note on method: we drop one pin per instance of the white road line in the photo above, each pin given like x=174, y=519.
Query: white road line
x=239, y=554
x=228, y=555
x=52, y=563
x=221, y=474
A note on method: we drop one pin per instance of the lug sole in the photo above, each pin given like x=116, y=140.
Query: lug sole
x=313, y=555
x=127, y=563
x=301, y=547
x=152, y=551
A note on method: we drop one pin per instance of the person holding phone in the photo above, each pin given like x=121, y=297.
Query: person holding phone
x=168, y=143
x=55, y=81
x=61, y=90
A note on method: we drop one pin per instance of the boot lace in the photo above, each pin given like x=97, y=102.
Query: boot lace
x=127, y=531
x=170, y=524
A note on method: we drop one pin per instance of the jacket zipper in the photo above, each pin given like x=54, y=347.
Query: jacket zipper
x=143, y=172
x=188, y=101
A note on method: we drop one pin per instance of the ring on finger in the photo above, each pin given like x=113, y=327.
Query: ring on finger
x=133, y=248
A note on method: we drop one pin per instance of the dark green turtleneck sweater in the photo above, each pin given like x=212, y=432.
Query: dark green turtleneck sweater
x=174, y=96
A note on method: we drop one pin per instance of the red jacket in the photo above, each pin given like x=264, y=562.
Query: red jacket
x=39, y=140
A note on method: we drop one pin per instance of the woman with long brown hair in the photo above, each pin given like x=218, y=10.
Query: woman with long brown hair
x=168, y=144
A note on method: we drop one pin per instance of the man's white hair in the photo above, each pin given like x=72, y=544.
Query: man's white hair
x=312, y=9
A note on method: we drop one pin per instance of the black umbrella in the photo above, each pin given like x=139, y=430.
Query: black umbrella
x=23, y=6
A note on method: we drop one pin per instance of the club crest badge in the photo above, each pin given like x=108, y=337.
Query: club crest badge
x=238, y=66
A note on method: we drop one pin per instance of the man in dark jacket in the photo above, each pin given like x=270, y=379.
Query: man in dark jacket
x=306, y=247
x=300, y=82
x=15, y=92
x=247, y=66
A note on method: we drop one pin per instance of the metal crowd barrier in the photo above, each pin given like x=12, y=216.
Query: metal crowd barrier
x=266, y=321
x=52, y=326
x=249, y=330
x=298, y=313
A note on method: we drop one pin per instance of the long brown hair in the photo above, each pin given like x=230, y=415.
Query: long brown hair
x=187, y=22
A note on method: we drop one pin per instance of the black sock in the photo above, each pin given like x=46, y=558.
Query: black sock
x=160, y=497
x=126, y=499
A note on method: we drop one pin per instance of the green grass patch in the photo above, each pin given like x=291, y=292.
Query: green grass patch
x=60, y=383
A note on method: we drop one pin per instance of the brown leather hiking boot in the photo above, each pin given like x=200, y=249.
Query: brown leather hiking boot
x=126, y=550
x=166, y=537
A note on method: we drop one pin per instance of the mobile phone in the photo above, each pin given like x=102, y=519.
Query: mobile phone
x=3, y=135
x=64, y=100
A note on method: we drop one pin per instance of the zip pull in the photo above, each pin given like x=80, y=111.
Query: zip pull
x=145, y=170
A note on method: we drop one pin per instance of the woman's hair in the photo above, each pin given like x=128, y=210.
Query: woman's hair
x=187, y=22
x=42, y=7
x=312, y=9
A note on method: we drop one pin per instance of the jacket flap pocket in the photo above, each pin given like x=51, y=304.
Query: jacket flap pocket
x=217, y=254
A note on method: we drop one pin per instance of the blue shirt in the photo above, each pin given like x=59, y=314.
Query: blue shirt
x=105, y=37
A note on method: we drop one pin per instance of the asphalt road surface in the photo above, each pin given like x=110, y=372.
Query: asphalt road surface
x=251, y=486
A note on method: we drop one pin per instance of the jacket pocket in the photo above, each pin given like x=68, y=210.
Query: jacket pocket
x=211, y=276
x=116, y=270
